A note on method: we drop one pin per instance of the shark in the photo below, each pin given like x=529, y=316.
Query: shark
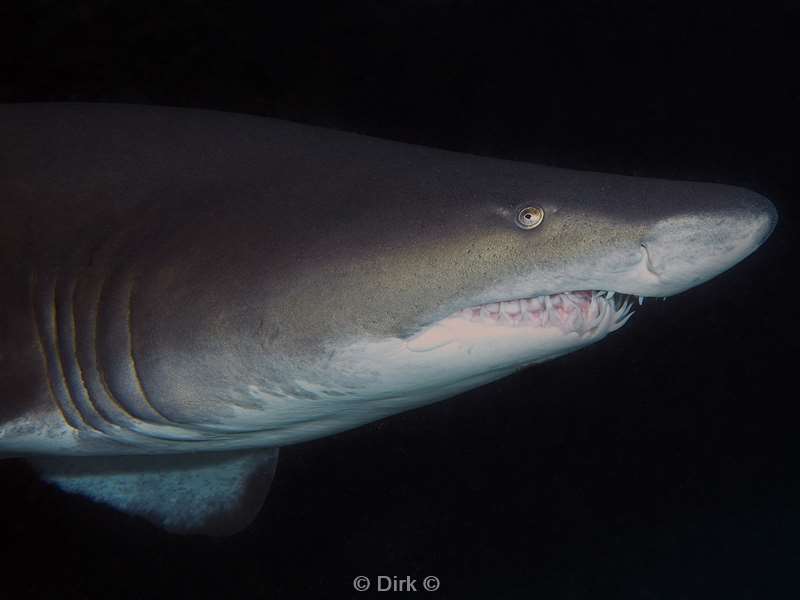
x=184, y=291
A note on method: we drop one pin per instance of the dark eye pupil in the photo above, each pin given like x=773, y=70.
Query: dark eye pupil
x=529, y=217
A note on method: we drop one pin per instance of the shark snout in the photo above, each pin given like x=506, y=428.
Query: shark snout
x=686, y=249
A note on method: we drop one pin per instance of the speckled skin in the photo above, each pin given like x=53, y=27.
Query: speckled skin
x=150, y=257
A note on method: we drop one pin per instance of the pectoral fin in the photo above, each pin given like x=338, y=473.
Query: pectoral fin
x=213, y=493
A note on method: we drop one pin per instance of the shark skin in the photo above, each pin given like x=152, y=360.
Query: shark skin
x=185, y=291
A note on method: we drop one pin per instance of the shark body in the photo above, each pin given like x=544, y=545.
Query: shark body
x=185, y=291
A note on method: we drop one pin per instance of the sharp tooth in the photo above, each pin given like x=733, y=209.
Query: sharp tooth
x=623, y=310
x=492, y=307
x=605, y=315
x=641, y=300
x=572, y=319
x=536, y=318
x=547, y=313
x=599, y=318
x=610, y=294
x=580, y=295
x=511, y=308
x=535, y=304
x=621, y=322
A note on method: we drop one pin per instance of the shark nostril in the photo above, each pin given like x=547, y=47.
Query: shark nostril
x=646, y=258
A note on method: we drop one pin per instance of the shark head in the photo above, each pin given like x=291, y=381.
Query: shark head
x=487, y=283
x=564, y=270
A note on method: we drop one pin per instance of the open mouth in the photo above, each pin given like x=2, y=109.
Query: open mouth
x=583, y=312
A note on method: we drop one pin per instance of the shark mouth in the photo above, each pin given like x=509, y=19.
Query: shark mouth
x=582, y=312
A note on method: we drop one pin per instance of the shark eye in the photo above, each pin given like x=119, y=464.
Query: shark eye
x=530, y=217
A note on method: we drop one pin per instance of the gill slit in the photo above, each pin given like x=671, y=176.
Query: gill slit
x=40, y=344
x=101, y=412
x=60, y=357
x=134, y=366
x=101, y=374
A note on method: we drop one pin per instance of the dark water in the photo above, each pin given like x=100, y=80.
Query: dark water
x=663, y=462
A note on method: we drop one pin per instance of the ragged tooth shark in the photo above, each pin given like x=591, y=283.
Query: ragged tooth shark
x=185, y=291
